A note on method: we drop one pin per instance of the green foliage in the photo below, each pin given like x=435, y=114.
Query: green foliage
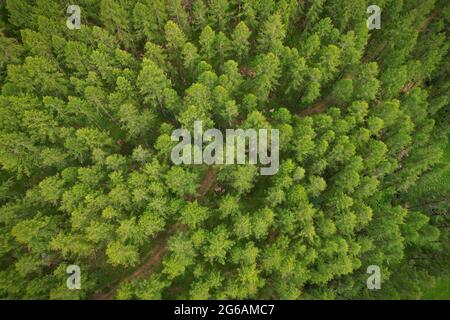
x=86, y=118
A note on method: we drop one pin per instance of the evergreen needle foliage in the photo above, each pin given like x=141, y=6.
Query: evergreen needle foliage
x=86, y=177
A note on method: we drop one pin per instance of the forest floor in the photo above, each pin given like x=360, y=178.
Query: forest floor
x=318, y=107
x=155, y=255
x=207, y=182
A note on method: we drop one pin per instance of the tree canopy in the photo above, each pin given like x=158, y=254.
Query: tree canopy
x=86, y=117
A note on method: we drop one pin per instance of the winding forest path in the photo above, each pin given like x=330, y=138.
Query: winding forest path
x=155, y=255
x=207, y=182
x=318, y=107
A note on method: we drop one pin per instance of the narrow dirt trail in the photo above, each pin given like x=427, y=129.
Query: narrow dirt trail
x=154, y=257
x=206, y=183
x=424, y=25
x=152, y=260
x=322, y=105
x=319, y=107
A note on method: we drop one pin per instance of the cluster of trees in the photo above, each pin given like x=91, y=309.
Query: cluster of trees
x=86, y=177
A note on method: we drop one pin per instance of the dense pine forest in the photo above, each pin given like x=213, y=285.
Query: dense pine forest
x=86, y=177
